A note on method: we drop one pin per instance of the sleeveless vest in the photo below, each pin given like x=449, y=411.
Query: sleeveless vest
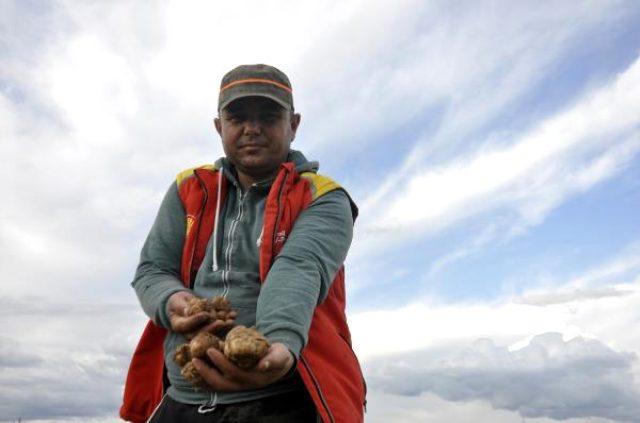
x=327, y=364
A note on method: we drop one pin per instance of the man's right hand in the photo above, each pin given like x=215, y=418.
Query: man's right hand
x=190, y=326
x=177, y=307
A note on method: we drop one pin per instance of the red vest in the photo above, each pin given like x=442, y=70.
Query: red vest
x=327, y=364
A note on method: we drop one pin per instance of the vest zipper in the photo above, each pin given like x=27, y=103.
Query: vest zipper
x=275, y=228
x=317, y=386
x=197, y=234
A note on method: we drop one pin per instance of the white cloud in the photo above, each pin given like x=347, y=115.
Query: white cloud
x=441, y=61
x=608, y=279
x=627, y=262
x=129, y=95
x=563, y=351
x=563, y=156
x=564, y=296
x=102, y=103
x=547, y=378
x=603, y=312
x=473, y=246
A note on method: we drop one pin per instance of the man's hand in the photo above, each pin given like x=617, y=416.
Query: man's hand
x=226, y=376
x=190, y=326
x=177, y=307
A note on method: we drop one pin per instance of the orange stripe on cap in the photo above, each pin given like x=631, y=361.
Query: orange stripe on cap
x=256, y=80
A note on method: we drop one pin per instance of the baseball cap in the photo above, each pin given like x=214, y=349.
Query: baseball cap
x=256, y=80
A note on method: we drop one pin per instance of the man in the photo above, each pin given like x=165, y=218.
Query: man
x=263, y=229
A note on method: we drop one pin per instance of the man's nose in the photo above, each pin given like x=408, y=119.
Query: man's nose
x=252, y=126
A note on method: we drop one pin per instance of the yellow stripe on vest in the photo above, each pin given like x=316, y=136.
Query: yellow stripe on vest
x=186, y=174
x=320, y=185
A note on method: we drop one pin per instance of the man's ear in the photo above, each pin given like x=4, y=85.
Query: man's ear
x=218, y=125
x=295, y=122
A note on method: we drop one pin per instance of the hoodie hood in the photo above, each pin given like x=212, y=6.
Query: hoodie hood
x=295, y=156
x=301, y=162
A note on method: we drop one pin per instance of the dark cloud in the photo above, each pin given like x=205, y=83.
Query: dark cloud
x=64, y=360
x=548, y=378
x=14, y=354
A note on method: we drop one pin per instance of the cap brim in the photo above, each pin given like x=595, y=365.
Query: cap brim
x=254, y=94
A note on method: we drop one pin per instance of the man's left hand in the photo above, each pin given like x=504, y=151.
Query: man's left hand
x=224, y=375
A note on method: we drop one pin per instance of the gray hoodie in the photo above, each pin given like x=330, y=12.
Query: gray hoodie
x=282, y=306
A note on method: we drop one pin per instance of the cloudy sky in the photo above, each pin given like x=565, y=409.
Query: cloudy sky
x=493, y=148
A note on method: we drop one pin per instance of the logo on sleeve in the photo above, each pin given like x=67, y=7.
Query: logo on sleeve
x=281, y=237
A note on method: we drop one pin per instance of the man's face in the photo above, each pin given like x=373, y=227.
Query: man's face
x=256, y=133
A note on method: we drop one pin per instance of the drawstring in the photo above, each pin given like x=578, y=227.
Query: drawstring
x=216, y=224
x=259, y=240
x=210, y=405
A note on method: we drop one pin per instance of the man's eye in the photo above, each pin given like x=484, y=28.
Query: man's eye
x=269, y=118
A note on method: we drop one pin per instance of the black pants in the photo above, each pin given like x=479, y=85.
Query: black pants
x=291, y=407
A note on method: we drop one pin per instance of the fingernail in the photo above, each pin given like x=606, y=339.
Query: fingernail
x=266, y=366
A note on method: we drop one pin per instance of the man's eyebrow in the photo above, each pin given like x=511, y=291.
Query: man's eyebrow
x=276, y=110
x=271, y=112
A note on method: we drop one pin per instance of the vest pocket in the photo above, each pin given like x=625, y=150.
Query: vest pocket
x=364, y=382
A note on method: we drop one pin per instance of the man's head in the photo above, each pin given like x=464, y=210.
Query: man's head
x=256, y=119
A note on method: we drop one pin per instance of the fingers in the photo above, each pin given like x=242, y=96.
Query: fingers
x=217, y=327
x=188, y=324
x=223, y=374
x=274, y=361
x=224, y=365
x=178, y=302
x=278, y=360
x=214, y=377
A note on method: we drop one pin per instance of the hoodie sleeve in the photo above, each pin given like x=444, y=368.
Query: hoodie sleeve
x=158, y=274
x=302, y=272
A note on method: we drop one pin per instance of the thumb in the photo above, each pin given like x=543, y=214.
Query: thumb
x=265, y=366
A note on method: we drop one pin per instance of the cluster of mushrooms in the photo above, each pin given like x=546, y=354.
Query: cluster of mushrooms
x=243, y=346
